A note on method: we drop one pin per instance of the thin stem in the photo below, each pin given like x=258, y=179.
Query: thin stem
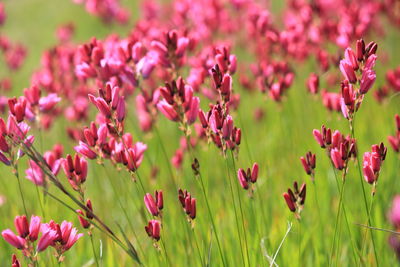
x=165, y=252
x=299, y=241
x=94, y=249
x=235, y=211
x=337, y=221
x=197, y=246
x=40, y=202
x=345, y=216
x=352, y=126
x=365, y=234
x=241, y=210
x=15, y=171
x=116, y=195
x=166, y=157
x=280, y=245
x=320, y=224
x=203, y=189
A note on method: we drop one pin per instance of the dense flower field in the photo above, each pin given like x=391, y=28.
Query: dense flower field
x=203, y=133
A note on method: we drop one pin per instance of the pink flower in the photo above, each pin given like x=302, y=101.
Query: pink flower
x=167, y=110
x=394, y=213
x=153, y=229
x=191, y=114
x=35, y=173
x=188, y=203
x=85, y=150
x=290, y=202
x=336, y=158
x=318, y=137
x=47, y=103
x=372, y=162
x=151, y=204
x=47, y=239
x=34, y=228
x=367, y=81
x=242, y=179
x=313, y=83
x=348, y=71
x=13, y=239
x=69, y=235
x=22, y=225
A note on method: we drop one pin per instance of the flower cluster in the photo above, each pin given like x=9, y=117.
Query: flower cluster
x=13, y=138
x=85, y=218
x=178, y=103
x=248, y=177
x=361, y=62
x=372, y=162
x=219, y=127
x=154, y=206
x=340, y=148
x=188, y=204
x=295, y=199
x=309, y=163
x=153, y=229
x=76, y=170
x=62, y=238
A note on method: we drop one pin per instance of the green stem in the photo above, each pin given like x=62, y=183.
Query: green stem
x=364, y=195
x=203, y=189
x=20, y=188
x=40, y=203
x=165, y=253
x=198, y=247
x=166, y=157
x=299, y=241
x=345, y=216
x=127, y=217
x=363, y=246
x=235, y=211
x=94, y=249
x=241, y=210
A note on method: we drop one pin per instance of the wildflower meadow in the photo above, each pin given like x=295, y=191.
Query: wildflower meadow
x=199, y=133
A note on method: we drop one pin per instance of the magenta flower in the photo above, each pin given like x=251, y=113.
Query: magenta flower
x=12, y=239
x=372, y=162
x=85, y=150
x=34, y=173
x=394, y=213
x=154, y=206
x=188, y=203
x=309, y=162
x=313, y=83
x=167, y=110
x=348, y=71
x=61, y=237
x=48, y=237
x=248, y=177
x=153, y=229
x=295, y=199
x=367, y=81
x=47, y=103
x=337, y=159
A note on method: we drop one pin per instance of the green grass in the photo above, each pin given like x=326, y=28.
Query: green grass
x=276, y=143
